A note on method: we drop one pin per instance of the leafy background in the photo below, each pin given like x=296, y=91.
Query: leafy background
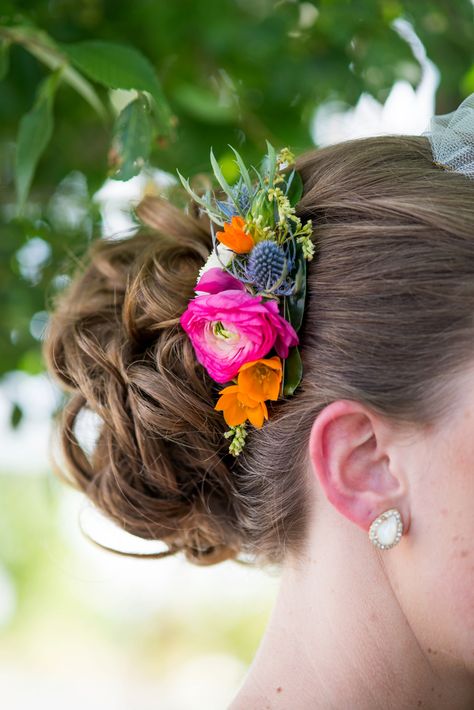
x=94, y=91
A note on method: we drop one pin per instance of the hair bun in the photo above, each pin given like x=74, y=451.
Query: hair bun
x=158, y=468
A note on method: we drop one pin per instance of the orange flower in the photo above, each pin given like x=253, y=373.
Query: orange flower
x=235, y=237
x=257, y=381
x=238, y=407
x=261, y=379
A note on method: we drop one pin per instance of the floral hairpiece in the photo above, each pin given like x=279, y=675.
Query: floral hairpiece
x=250, y=294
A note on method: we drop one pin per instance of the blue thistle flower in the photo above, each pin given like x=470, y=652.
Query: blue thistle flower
x=227, y=209
x=243, y=198
x=266, y=264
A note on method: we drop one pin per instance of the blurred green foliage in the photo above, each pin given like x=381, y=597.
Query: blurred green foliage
x=205, y=74
x=57, y=594
x=29, y=540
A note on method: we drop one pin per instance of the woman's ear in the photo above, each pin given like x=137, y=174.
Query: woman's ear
x=349, y=451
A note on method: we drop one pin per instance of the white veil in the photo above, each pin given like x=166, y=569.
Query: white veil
x=452, y=138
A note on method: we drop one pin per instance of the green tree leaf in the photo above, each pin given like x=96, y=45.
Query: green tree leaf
x=16, y=415
x=203, y=104
x=118, y=66
x=34, y=133
x=4, y=58
x=43, y=47
x=467, y=82
x=132, y=140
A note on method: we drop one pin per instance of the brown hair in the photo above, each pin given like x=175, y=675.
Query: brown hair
x=389, y=316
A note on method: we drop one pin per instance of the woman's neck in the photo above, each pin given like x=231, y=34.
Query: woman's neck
x=339, y=638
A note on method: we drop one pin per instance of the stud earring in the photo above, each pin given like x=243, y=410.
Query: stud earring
x=386, y=530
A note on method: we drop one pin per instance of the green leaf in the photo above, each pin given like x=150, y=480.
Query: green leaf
x=294, y=304
x=243, y=170
x=269, y=162
x=42, y=46
x=4, y=58
x=202, y=104
x=467, y=82
x=190, y=191
x=132, y=140
x=34, y=133
x=294, y=189
x=205, y=203
x=118, y=66
x=258, y=177
x=223, y=182
x=293, y=371
x=16, y=416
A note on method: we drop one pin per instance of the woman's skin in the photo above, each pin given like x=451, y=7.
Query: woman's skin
x=358, y=628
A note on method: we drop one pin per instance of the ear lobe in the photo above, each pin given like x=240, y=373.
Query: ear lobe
x=351, y=464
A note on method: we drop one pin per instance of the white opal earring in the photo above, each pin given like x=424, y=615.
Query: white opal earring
x=386, y=530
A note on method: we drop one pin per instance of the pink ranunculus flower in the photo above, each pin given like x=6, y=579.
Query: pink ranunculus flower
x=231, y=327
x=215, y=280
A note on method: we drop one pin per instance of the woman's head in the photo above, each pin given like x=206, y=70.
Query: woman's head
x=388, y=325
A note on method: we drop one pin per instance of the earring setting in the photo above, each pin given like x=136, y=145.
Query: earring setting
x=386, y=530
